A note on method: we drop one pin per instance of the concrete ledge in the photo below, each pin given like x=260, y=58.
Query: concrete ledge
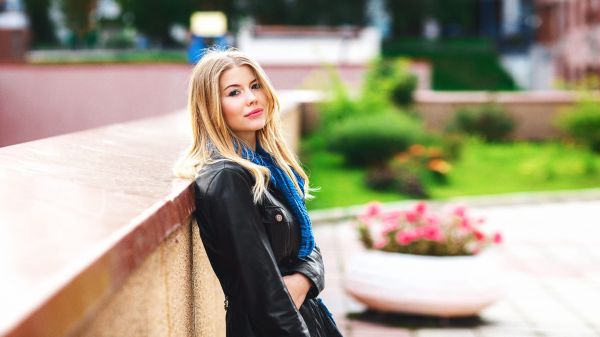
x=534, y=112
x=80, y=213
x=553, y=96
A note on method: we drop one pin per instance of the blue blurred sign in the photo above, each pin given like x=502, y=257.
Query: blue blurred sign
x=208, y=29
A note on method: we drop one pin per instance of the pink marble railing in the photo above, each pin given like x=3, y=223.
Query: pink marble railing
x=78, y=213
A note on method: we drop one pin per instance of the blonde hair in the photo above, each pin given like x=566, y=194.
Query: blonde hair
x=209, y=130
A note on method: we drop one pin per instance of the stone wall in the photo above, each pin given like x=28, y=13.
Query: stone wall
x=533, y=112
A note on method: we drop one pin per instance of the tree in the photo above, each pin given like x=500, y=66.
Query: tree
x=409, y=15
x=155, y=17
x=41, y=27
x=78, y=17
x=308, y=12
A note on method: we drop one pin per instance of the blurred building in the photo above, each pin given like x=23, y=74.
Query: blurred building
x=311, y=45
x=569, y=33
x=13, y=32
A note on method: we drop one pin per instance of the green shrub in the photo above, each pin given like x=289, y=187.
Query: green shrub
x=411, y=172
x=410, y=183
x=380, y=178
x=402, y=180
x=402, y=91
x=456, y=64
x=387, y=85
x=452, y=144
x=389, y=80
x=123, y=39
x=373, y=138
x=582, y=122
x=428, y=163
x=339, y=106
x=490, y=122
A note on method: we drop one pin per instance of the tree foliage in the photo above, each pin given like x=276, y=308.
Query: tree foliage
x=41, y=26
x=78, y=17
x=456, y=16
x=308, y=12
x=155, y=17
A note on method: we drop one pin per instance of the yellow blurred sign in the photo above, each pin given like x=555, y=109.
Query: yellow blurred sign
x=209, y=24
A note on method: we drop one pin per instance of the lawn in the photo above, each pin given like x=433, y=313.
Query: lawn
x=92, y=56
x=339, y=186
x=483, y=169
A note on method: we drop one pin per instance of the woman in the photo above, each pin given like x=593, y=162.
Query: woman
x=249, y=194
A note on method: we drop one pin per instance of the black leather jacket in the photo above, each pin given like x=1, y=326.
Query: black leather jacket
x=250, y=248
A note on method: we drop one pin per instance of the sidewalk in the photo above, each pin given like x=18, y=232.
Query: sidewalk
x=551, y=259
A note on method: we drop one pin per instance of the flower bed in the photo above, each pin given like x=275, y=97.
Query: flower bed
x=450, y=232
x=419, y=261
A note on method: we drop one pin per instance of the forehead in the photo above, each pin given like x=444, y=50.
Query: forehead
x=237, y=75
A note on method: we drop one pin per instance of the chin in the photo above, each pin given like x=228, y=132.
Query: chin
x=259, y=125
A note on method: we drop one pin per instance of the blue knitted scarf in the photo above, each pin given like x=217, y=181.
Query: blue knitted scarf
x=284, y=184
x=295, y=201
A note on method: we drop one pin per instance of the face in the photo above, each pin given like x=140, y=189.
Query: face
x=244, y=102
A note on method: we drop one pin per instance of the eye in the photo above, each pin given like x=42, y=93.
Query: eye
x=256, y=85
x=234, y=92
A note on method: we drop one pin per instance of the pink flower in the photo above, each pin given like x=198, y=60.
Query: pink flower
x=497, y=238
x=381, y=243
x=406, y=237
x=389, y=227
x=391, y=217
x=373, y=209
x=478, y=235
x=420, y=208
x=460, y=211
x=432, y=233
x=433, y=220
x=465, y=223
x=411, y=216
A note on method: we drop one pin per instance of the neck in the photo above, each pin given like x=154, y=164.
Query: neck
x=249, y=138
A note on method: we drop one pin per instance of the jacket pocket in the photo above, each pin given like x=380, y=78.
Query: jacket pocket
x=277, y=225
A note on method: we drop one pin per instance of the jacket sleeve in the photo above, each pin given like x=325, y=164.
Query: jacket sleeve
x=312, y=268
x=239, y=226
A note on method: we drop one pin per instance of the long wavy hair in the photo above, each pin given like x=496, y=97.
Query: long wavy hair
x=210, y=133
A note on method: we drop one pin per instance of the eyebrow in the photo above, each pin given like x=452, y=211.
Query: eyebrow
x=237, y=85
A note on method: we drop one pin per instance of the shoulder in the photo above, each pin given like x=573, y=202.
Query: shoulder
x=220, y=173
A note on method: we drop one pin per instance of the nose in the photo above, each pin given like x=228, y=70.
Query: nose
x=251, y=98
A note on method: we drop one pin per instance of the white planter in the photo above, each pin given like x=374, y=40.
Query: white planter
x=425, y=285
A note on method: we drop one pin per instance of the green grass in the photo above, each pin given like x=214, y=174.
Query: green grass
x=520, y=167
x=457, y=64
x=108, y=56
x=482, y=170
x=340, y=186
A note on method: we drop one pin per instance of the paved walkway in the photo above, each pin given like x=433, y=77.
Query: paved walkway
x=551, y=264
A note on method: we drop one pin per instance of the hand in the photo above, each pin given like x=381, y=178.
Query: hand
x=298, y=286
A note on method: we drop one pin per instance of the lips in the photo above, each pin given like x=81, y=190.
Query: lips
x=254, y=112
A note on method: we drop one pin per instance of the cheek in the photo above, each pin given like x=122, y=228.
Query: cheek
x=262, y=96
x=230, y=111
